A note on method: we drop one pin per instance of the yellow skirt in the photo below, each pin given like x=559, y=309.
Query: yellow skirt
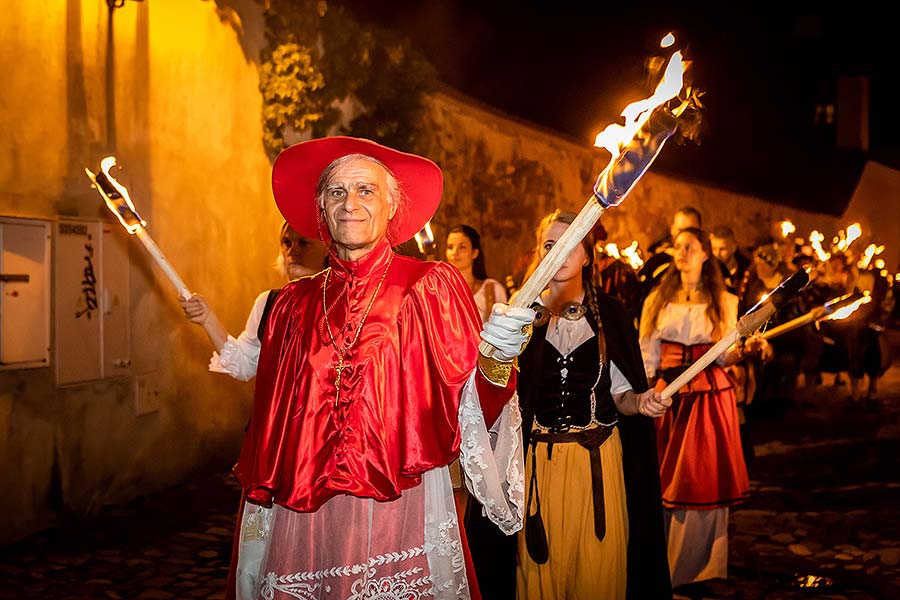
x=581, y=567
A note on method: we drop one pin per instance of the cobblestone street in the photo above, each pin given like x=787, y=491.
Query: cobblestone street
x=823, y=520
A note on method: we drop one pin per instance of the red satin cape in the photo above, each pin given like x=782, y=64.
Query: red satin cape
x=396, y=414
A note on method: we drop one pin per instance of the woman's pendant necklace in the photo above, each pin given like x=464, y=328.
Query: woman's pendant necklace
x=344, y=351
x=570, y=311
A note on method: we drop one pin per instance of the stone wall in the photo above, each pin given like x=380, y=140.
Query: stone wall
x=502, y=175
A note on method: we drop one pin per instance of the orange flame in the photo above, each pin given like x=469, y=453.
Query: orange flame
x=846, y=311
x=424, y=237
x=843, y=240
x=615, y=136
x=787, y=228
x=612, y=250
x=631, y=255
x=869, y=253
x=815, y=241
x=122, y=207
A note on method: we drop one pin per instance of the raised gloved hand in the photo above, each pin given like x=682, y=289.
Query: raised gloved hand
x=508, y=330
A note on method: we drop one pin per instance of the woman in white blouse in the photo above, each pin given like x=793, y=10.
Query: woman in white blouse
x=238, y=357
x=702, y=468
x=463, y=251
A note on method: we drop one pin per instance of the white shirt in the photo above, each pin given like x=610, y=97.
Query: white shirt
x=240, y=356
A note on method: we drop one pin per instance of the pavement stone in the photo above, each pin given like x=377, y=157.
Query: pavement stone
x=822, y=520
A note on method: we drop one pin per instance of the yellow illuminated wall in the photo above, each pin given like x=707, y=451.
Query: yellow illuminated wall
x=187, y=134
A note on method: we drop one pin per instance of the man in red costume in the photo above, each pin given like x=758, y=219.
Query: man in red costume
x=369, y=384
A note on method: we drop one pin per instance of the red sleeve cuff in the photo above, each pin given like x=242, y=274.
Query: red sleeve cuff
x=493, y=397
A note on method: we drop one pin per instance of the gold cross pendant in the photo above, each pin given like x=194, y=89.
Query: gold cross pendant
x=338, y=371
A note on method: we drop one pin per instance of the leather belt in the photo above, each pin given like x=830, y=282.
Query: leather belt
x=591, y=440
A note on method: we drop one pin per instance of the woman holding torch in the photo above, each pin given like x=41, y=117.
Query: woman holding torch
x=702, y=467
x=238, y=357
x=593, y=525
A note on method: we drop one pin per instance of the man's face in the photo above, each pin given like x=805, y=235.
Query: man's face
x=681, y=221
x=722, y=248
x=357, y=207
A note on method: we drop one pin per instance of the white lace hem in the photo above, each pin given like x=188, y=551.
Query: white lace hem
x=493, y=462
x=356, y=548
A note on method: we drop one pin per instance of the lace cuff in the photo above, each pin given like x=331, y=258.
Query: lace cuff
x=237, y=359
x=493, y=461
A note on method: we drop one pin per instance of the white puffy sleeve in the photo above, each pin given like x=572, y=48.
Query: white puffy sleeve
x=240, y=356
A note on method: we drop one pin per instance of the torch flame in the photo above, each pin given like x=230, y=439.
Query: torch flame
x=846, y=311
x=815, y=240
x=667, y=40
x=116, y=196
x=615, y=136
x=612, y=250
x=870, y=251
x=787, y=228
x=843, y=240
x=631, y=254
x=854, y=231
x=424, y=237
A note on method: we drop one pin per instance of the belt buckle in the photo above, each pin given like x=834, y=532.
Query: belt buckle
x=559, y=428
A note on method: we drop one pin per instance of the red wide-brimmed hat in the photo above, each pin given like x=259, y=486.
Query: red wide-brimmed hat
x=296, y=172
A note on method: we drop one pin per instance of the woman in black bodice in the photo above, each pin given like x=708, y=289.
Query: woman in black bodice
x=592, y=482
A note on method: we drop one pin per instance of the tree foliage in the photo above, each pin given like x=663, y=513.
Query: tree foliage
x=320, y=63
x=288, y=82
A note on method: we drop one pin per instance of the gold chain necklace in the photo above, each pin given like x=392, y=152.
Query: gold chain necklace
x=344, y=350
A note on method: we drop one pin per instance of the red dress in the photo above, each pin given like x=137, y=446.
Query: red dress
x=322, y=456
x=698, y=438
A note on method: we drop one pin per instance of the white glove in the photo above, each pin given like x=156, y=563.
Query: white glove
x=508, y=330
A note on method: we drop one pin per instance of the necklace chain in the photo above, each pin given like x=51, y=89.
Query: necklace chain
x=344, y=349
x=691, y=290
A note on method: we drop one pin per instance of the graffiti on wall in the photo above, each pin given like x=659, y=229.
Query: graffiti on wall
x=87, y=302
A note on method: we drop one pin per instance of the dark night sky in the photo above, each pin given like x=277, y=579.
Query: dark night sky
x=574, y=69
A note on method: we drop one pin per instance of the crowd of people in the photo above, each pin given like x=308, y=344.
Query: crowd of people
x=417, y=432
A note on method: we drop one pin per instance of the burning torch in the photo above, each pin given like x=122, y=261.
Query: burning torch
x=833, y=310
x=118, y=201
x=752, y=320
x=425, y=241
x=634, y=147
